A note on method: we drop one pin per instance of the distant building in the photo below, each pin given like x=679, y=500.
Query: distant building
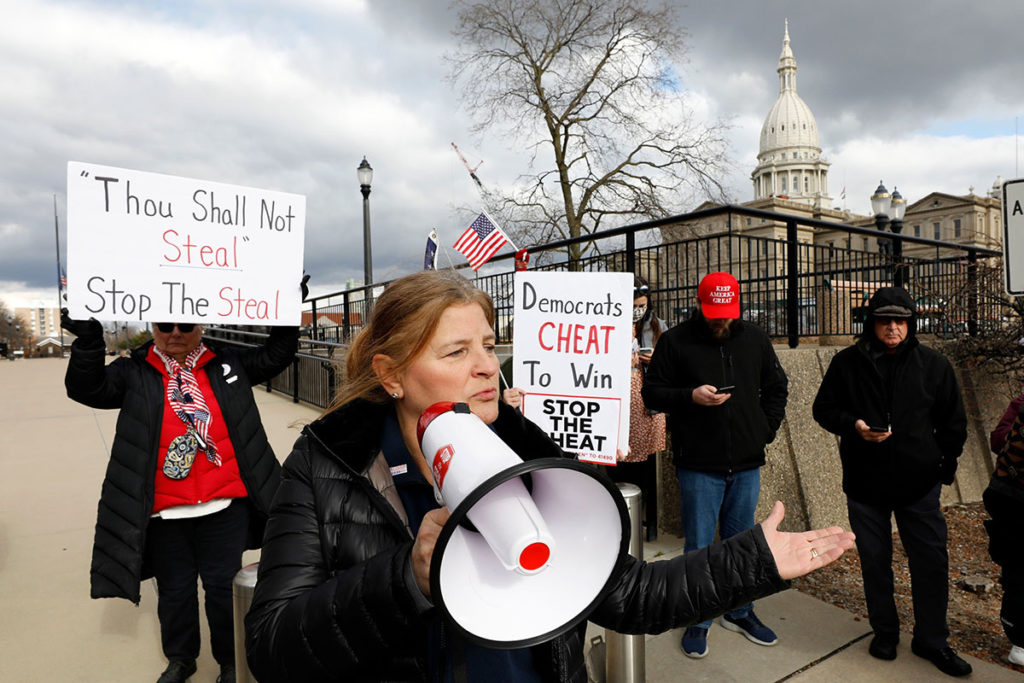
x=42, y=321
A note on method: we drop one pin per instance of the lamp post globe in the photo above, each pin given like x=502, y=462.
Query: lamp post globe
x=364, y=172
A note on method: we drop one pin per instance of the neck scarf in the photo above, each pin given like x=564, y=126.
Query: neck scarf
x=186, y=399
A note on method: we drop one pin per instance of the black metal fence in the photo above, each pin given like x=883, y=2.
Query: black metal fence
x=793, y=286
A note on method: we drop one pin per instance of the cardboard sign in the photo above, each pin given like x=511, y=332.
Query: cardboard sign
x=573, y=346
x=151, y=247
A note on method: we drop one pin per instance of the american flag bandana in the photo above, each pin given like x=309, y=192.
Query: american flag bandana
x=187, y=400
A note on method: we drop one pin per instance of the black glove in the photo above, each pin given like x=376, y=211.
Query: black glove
x=303, y=287
x=86, y=330
x=947, y=469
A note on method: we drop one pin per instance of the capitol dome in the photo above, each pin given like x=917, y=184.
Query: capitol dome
x=789, y=161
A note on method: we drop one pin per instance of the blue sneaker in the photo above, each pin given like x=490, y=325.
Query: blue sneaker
x=752, y=628
x=695, y=642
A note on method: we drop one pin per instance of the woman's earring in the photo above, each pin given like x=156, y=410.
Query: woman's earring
x=394, y=395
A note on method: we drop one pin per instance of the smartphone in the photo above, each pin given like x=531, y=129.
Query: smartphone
x=725, y=389
x=878, y=429
x=646, y=350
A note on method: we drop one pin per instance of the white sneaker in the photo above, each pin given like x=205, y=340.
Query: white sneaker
x=1016, y=655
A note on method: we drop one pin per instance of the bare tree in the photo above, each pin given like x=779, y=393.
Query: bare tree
x=14, y=330
x=590, y=87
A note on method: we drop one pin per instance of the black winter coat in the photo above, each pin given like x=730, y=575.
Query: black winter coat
x=923, y=406
x=730, y=437
x=136, y=388
x=332, y=603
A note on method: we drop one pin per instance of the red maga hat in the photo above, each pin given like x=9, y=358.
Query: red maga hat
x=719, y=295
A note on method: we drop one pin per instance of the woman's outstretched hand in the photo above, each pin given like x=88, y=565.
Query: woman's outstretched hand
x=797, y=554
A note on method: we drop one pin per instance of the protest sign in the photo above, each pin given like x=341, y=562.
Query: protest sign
x=572, y=346
x=151, y=247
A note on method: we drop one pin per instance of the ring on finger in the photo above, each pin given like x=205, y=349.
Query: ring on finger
x=814, y=553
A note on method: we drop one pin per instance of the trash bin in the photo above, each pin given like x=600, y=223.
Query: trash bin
x=242, y=589
x=624, y=662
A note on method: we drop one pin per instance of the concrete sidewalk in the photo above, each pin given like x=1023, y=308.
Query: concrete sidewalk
x=53, y=453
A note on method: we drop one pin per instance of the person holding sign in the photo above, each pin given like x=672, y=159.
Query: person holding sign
x=191, y=474
x=343, y=591
x=725, y=392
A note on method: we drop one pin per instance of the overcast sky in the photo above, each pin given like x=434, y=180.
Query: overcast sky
x=291, y=95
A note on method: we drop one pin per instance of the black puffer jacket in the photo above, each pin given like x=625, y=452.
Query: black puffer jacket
x=730, y=437
x=332, y=603
x=918, y=398
x=136, y=388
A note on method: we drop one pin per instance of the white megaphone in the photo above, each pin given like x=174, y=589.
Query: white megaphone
x=530, y=546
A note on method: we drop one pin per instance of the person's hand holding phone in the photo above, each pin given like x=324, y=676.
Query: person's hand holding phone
x=874, y=434
x=707, y=395
x=645, y=354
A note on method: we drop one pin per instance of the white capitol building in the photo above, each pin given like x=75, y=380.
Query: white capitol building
x=791, y=177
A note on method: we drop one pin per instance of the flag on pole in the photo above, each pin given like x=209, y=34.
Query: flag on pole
x=63, y=278
x=842, y=195
x=481, y=240
x=430, y=255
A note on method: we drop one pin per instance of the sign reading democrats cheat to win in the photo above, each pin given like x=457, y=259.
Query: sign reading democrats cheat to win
x=151, y=247
x=572, y=348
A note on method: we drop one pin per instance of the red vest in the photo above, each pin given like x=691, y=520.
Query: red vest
x=205, y=481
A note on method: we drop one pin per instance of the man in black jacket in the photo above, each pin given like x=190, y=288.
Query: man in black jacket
x=720, y=382
x=896, y=407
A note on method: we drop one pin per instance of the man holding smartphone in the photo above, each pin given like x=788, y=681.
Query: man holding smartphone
x=720, y=382
x=896, y=406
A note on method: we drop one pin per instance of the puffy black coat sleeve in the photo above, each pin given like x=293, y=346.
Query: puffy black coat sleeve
x=89, y=381
x=266, y=361
x=652, y=597
x=314, y=617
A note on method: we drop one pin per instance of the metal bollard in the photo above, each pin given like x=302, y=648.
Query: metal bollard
x=242, y=589
x=624, y=662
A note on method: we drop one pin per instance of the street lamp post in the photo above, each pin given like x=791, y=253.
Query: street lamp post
x=365, y=174
x=889, y=211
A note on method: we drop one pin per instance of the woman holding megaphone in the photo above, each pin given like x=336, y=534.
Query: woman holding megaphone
x=345, y=590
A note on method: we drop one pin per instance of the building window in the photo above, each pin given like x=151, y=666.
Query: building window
x=956, y=228
x=807, y=184
x=938, y=230
x=748, y=220
x=917, y=231
x=783, y=184
x=865, y=244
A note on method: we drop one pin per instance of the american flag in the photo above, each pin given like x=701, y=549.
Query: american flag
x=481, y=241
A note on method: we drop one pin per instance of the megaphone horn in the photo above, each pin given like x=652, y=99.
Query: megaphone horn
x=516, y=565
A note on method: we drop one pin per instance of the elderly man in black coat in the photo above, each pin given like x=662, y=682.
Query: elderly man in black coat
x=896, y=406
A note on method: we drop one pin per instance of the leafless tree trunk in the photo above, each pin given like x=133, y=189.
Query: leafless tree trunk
x=590, y=87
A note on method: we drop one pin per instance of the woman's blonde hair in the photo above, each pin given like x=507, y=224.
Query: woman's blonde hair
x=404, y=319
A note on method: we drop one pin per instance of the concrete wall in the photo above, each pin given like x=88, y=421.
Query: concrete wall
x=803, y=469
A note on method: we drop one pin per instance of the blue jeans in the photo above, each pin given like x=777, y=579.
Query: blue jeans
x=710, y=501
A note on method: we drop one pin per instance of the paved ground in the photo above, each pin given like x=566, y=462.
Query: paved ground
x=52, y=456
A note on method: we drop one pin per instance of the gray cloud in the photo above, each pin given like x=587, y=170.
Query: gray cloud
x=292, y=96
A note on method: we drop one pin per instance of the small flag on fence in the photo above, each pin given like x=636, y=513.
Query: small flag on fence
x=481, y=241
x=522, y=259
x=430, y=255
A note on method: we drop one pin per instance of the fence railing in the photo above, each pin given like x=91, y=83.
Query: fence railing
x=793, y=287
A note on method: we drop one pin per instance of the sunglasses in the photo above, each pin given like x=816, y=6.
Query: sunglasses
x=640, y=291
x=167, y=328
